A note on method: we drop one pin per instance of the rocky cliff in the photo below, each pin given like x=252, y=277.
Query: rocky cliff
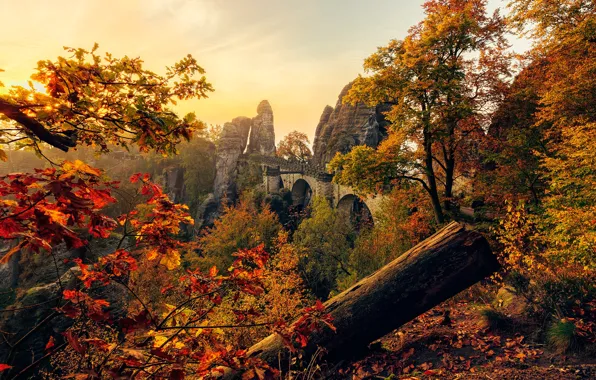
x=242, y=135
x=262, y=134
x=35, y=293
x=346, y=126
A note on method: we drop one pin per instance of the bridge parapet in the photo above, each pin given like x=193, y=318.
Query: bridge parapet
x=288, y=166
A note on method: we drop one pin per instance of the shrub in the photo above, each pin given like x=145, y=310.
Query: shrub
x=241, y=227
x=562, y=336
x=495, y=319
x=325, y=239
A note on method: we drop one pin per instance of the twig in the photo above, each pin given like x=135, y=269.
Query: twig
x=36, y=363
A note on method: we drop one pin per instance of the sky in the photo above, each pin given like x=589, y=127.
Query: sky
x=297, y=54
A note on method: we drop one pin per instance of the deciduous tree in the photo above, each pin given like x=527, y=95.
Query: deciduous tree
x=325, y=238
x=565, y=40
x=443, y=80
x=294, y=146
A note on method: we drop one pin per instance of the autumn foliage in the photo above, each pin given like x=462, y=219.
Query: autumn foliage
x=173, y=338
x=43, y=209
x=122, y=322
x=163, y=304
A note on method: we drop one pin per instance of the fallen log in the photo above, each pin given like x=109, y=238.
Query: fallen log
x=438, y=268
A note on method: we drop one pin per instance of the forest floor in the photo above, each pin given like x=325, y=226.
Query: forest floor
x=461, y=346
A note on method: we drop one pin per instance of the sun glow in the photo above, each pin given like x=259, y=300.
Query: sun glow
x=297, y=55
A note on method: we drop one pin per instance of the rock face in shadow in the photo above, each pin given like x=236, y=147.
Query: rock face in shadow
x=174, y=183
x=231, y=146
x=346, y=126
x=9, y=272
x=242, y=134
x=41, y=283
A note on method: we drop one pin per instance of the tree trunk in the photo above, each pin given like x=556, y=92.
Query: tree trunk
x=433, y=271
x=449, y=172
x=432, y=181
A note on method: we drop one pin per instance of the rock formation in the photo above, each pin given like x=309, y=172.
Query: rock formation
x=173, y=178
x=30, y=317
x=241, y=135
x=231, y=146
x=262, y=134
x=346, y=126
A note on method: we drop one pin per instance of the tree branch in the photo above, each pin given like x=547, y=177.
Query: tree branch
x=59, y=141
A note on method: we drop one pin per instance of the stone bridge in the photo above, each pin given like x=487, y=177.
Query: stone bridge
x=306, y=181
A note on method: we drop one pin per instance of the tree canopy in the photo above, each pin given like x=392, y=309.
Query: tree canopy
x=102, y=101
x=294, y=146
x=443, y=80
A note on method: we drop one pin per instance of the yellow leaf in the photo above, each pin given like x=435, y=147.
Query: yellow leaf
x=3, y=156
x=8, y=203
x=56, y=216
x=159, y=340
x=78, y=166
x=82, y=167
x=171, y=260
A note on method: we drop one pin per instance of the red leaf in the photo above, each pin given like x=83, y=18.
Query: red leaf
x=4, y=367
x=73, y=341
x=50, y=343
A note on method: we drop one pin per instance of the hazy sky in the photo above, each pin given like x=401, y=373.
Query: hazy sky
x=296, y=54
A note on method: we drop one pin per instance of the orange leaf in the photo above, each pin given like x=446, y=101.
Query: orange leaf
x=8, y=255
x=50, y=343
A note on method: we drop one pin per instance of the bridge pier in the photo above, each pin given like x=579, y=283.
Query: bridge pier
x=324, y=186
x=272, y=179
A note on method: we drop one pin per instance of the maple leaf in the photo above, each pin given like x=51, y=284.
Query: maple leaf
x=70, y=169
x=8, y=228
x=56, y=216
x=136, y=354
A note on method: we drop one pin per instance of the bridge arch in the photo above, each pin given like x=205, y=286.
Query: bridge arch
x=302, y=193
x=355, y=211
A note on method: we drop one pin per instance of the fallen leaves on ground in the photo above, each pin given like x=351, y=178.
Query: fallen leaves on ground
x=428, y=348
